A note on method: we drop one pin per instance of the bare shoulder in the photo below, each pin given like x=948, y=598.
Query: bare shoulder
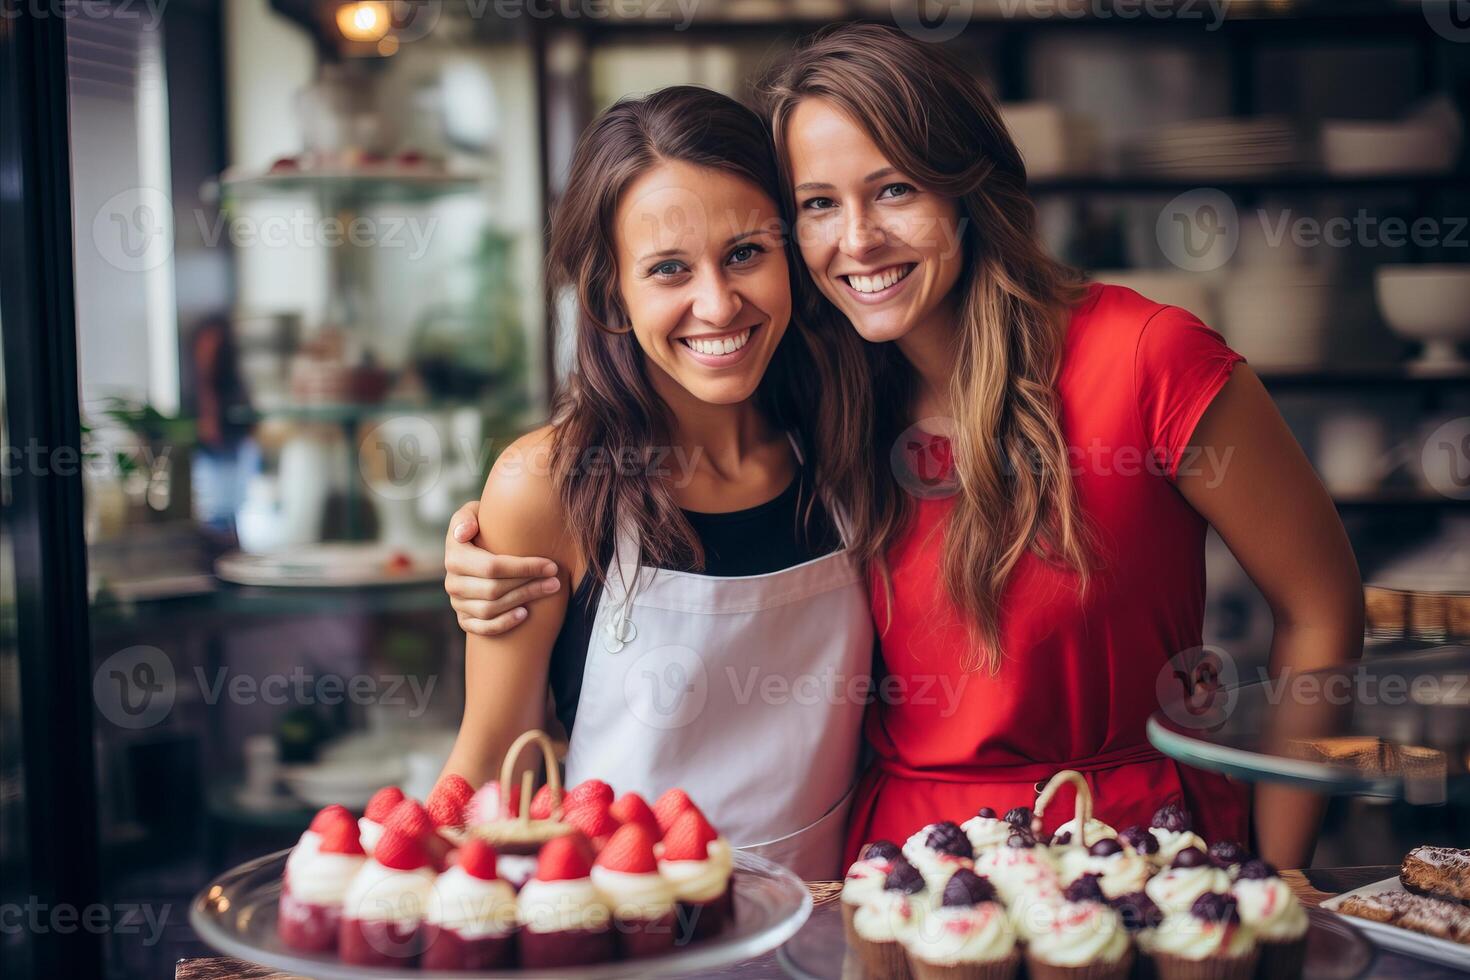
x=520, y=510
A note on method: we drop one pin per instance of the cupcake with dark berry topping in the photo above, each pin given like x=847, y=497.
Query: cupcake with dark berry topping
x=1120, y=871
x=967, y=936
x=1020, y=869
x=1189, y=876
x=880, y=924
x=1272, y=911
x=866, y=876
x=1208, y=942
x=1141, y=841
x=470, y=918
x=938, y=851
x=1173, y=828
x=986, y=830
x=1228, y=856
x=1079, y=937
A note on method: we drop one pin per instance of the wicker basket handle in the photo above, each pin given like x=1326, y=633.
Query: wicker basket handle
x=1083, y=812
x=553, y=776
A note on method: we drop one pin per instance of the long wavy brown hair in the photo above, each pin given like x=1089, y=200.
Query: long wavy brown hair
x=608, y=410
x=935, y=123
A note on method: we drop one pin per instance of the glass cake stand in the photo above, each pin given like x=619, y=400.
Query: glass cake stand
x=236, y=914
x=1391, y=725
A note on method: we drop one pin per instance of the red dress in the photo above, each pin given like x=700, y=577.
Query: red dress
x=1078, y=678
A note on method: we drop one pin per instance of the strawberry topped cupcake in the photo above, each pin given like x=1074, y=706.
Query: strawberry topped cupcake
x=446, y=807
x=938, y=851
x=642, y=902
x=412, y=820
x=866, y=876
x=669, y=807
x=966, y=937
x=379, y=806
x=384, y=906
x=470, y=919
x=594, y=819
x=317, y=880
x=699, y=864
x=1190, y=875
x=1172, y=827
x=986, y=830
x=1272, y=911
x=882, y=922
x=1206, y=941
x=564, y=921
x=588, y=791
x=632, y=808
x=543, y=804
x=311, y=837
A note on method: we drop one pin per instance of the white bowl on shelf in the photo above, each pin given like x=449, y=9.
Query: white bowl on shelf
x=1430, y=304
x=1364, y=149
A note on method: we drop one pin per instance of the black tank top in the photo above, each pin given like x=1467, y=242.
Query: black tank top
x=769, y=537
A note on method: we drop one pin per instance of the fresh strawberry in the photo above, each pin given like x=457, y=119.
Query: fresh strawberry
x=592, y=819
x=329, y=815
x=564, y=859
x=401, y=852
x=446, y=804
x=669, y=806
x=341, y=837
x=382, y=803
x=688, y=839
x=410, y=819
x=542, y=804
x=630, y=850
x=632, y=808
x=587, y=791
x=478, y=860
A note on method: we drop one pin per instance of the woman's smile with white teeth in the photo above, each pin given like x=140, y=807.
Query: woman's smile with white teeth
x=880, y=280
x=716, y=346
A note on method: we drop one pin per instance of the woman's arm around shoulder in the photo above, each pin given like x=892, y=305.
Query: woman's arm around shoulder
x=506, y=676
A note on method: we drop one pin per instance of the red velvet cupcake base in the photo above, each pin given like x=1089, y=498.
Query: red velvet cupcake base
x=446, y=949
x=306, y=927
x=568, y=947
x=373, y=942
x=700, y=920
x=638, y=938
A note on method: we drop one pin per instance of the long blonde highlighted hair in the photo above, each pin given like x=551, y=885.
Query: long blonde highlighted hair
x=935, y=123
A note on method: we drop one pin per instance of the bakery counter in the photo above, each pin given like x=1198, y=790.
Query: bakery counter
x=821, y=937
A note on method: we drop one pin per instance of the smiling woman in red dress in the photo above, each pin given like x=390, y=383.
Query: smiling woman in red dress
x=1085, y=439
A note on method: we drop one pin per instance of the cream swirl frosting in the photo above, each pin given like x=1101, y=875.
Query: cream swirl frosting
x=986, y=832
x=864, y=880
x=561, y=906
x=1078, y=934
x=935, y=865
x=368, y=832
x=1196, y=939
x=379, y=894
x=471, y=906
x=955, y=934
x=309, y=844
x=1014, y=871
x=1268, y=906
x=1175, y=889
x=889, y=915
x=1171, y=842
x=633, y=895
x=1096, y=831
x=701, y=880
x=1122, y=873
x=321, y=877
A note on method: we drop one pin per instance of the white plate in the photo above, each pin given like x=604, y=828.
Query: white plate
x=1405, y=941
x=338, y=564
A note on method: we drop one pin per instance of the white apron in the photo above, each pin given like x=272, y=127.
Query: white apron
x=747, y=692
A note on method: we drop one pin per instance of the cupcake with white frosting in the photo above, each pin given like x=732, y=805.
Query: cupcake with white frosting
x=1141, y=841
x=881, y=923
x=1078, y=940
x=967, y=936
x=564, y=921
x=642, y=902
x=985, y=830
x=938, y=851
x=370, y=825
x=318, y=874
x=1019, y=869
x=1119, y=870
x=865, y=877
x=1267, y=905
x=1096, y=831
x=383, y=910
x=1173, y=828
x=1190, y=875
x=699, y=864
x=1207, y=942
x=1228, y=856
x=470, y=918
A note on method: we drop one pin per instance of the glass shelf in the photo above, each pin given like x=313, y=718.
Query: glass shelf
x=1394, y=724
x=383, y=185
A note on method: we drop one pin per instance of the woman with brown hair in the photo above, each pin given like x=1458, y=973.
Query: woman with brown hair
x=1044, y=456
x=689, y=536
